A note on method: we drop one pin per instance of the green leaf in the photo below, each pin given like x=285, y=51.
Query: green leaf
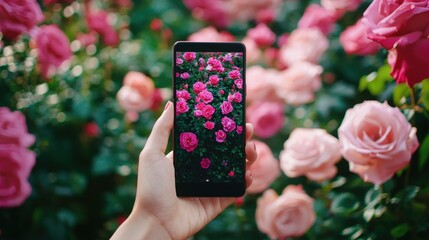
x=408, y=194
x=425, y=93
x=344, y=203
x=399, y=231
x=375, y=82
x=400, y=93
x=424, y=152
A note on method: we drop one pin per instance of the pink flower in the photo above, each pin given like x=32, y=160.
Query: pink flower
x=214, y=79
x=264, y=170
x=310, y=152
x=199, y=87
x=188, y=141
x=205, y=163
x=402, y=28
x=99, y=22
x=210, y=34
x=304, y=45
x=198, y=113
x=87, y=39
x=299, y=83
x=221, y=92
x=253, y=52
x=354, y=40
x=226, y=107
x=16, y=163
x=53, y=48
x=206, y=96
x=214, y=11
x=262, y=35
x=184, y=75
x=181, y=107
x=136, y=94
x=267, y=117
x=237, y=97
x=231, y=173
x=239, y=83
x=341, y=6
x=262, y=84
x=248, y=10
x=288, y=215
x=91, y=129
x=318, y=17
x=189, y=56
x=239, y=129
x=209, y=125
x=228, y=124
x=183, y=94
x=13, y=129
x=200, y=106
x=234, y=74
x=214, y=65
x=220, y=136
x=377, y=140
x=19, y=16
x=208, y=111
x=179, y=61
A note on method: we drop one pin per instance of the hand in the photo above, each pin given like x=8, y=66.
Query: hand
x=158, y=213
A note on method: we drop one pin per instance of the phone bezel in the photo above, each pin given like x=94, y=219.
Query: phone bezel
x=210, y=189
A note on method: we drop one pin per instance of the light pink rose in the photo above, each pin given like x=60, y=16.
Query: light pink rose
x=299, y=83
x=402, y=27
x=53, y=48
x=19, y=16
x=181, y=107
x=264, y=170
x=208, y=111
x=377, y=140
x=210, y=34
x=318, y=17
x=205, y=163
x=267, y=118
x=189, y=56
x=310, y=152
x=179, y=61
x=188, y=141
x=262, y=35
x=253, y=52
x=136, y=94
x=304, y=45
x=199, y=87
x=209, y=125
x=206, y=96
x=262, y=84
x=16, y=163
x=341, y=5
x=13, y=129
x=244, y=10
x=355, y=41
x=98, y=22
x=220, y=136
x=288, y=215
x=214, y=79
x=226, y=107
x=183, y=94
x=184, y=75
x=234, y=74
x=228, y=124
x=239, y=83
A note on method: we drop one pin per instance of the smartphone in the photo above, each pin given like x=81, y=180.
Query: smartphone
x=209, y=86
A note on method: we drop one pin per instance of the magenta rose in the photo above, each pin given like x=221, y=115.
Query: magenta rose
x=234, y=74
x=377, y=141
x=239, y=129
x=205, y=163
x=189, y=56
x=198, y=113
x=228, y=124
x=214, y=79
x=188, y=141
x=19, y=16
x=262, y=35
x=231, y=173
x=13, y=129
x=208, y=111
x=237, y=97
x=354, y=40
x=226, y=107
x=200, y=106
x=206, y=96
x=316, y=16
x=16, y=163
x=181, y=106
x=239, y=83
x=199, y=87
x=267, y=118
x=53, y=49
x=209, y=125
x=183, y=94
x=179, y=61
x=185, y=75
x=99, y=22
x=220, y=136
x=214, y=65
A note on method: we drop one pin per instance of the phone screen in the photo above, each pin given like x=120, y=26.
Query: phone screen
x=209, y=128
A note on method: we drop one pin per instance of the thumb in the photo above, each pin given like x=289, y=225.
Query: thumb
x=158, y=138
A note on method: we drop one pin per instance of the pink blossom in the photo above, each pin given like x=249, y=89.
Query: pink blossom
x=262, y=35
x=228, y=124
x=220, y=136
x=179, y=61
x=239, y=129
x=209, y=125
x=188, y=141
x=226, y=107
x=221, y=92
x=185, y=75
x=355, y=41
x=234, y=74
x=206, y=96
x=13, y=129
x=198, y=113
x=205, y=163
x=181, y=107
x=200, y=105
x=183, y=94
x=214, y=65
x=199, y=87
x=210, y=34
x=99, y=22
x=189, y=56
x=215, y=12
x=316, y=16
x=208, y=111
x=237, y=97
x=253, y=52
x=267, y=118
x=136, y=94
x=231, y=173
x=239, y=83
x=214, y=79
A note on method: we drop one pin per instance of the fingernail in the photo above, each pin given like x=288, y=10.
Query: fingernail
x=167, y=105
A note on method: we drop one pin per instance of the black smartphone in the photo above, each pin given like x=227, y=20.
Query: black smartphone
x=209, y=86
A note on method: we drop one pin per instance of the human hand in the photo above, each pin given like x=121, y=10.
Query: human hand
x=158, y=213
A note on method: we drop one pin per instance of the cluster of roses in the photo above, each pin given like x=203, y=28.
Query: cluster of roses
x=23, y=16
x=202, y=107
x=16, y=161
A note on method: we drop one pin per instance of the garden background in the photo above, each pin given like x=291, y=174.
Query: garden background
x=82, y=82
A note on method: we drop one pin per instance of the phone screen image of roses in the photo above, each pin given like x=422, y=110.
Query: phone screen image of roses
x=209, y=117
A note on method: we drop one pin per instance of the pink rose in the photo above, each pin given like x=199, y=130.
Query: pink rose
x=228, y=124
x=13, y=129
x=210, y=34
x=239, y=83
x=214, y=79
x=189, y=56
x=206, y=96
x=262, y=84
x=99, y=22
x=181, y=107
x=341, y=5
x=354, y=40
x=231, y=173
x=267, y=118
x=184, y=75
x=262, y=35
x=377, y=140
x=19, y=16
x=253, y=52
x=188, y=141
x=209, y=125
x=53, y=49
x=402, y=27
x=237, y=97
x=220, y=136
x=239, y=129
x=200, y=106
x=214, y=11
x=16, y=163
x=179, y=61
x=299, y=83
x=317, y=17
x=288, y=215
x=234, y=74
x=136, y=94
x=244, y=10
x=198, y=113
x=205, y=163
x=199, y=87
x=87, y=39
x=226, y=107
x=183, y=94
x=208, y=111
x=221, y=92
x=304, y=45
x=310, y=152
x=214, y=65
x=264, y=170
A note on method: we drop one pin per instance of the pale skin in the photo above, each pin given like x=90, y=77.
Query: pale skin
x=158, y=213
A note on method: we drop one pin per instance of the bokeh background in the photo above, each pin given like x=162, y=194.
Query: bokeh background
x=65, y=79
